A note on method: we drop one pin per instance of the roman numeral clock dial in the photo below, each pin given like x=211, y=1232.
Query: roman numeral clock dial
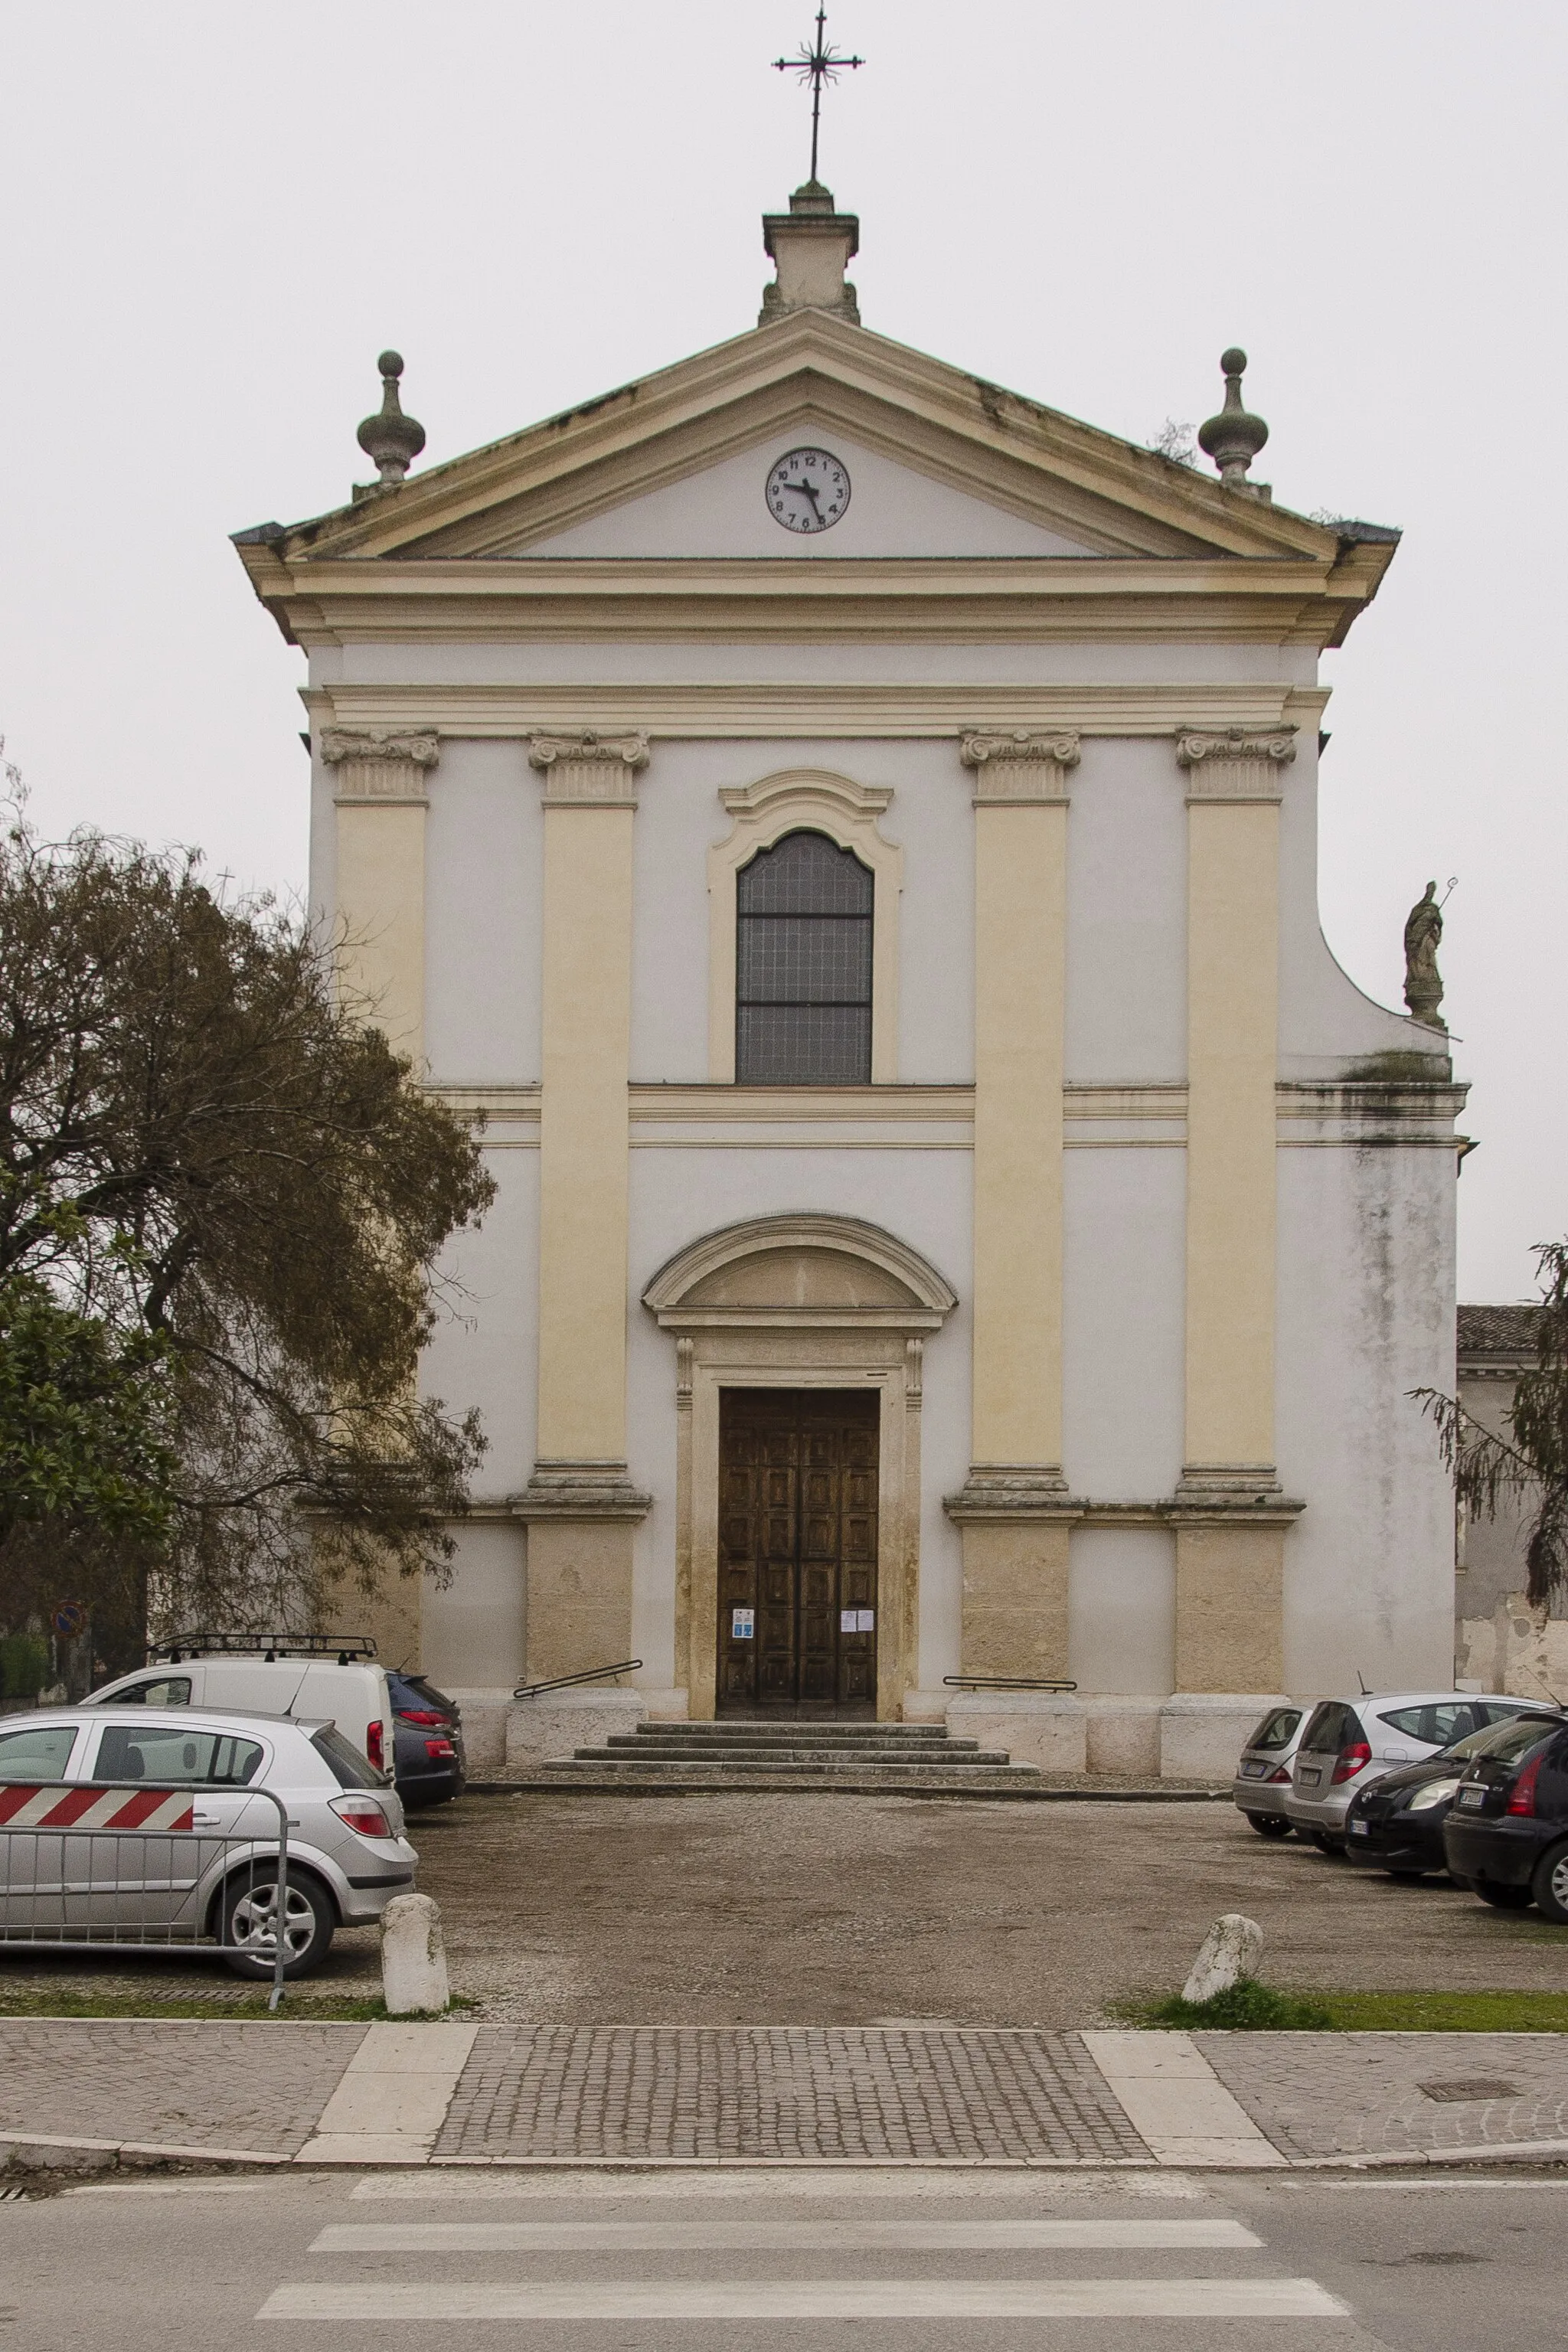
x=807, y=491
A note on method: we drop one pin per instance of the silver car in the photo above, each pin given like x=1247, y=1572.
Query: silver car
x=1263, y=1774
x=1348, y=1743
x=347, y=1853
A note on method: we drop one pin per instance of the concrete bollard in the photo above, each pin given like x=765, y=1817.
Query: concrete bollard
x=1231, y=1948
x=413, y=1957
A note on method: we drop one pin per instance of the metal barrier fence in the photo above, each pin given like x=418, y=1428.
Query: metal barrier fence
x=138, y=1865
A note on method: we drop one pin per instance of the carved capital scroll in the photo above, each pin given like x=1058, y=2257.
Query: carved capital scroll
x=1235, y=765
x=589, y=770
x=1020, y=767
x=380, y=766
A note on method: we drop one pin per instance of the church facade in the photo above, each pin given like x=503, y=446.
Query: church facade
x=850, y=832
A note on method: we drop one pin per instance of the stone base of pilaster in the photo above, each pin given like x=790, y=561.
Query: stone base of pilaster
x=1230, y=1520
x=1015, y=1522
x=582, y=1517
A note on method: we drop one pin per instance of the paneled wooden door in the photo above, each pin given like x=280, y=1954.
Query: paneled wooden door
x=797, y=1551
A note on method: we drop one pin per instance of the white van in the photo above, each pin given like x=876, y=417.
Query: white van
x=322, y=1680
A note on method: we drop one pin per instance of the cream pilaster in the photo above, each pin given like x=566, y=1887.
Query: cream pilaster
x=1230, y=1517
x=579, y=1502
x=381, y=803
x=1013, y=1511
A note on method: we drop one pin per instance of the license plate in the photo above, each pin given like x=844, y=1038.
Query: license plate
x=1252, y=1769
x=1359, y=1828
x=1309, y=1775
x=1472, y=1799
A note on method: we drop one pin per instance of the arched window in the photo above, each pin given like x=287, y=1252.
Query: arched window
x=803, y=966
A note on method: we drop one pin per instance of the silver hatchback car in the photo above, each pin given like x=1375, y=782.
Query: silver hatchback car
x=1348, y=1743
x=347, y=1853
x=1263, y=1772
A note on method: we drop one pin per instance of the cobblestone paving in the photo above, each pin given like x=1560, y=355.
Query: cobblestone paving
x=1360, y=2094
x=802, y=2091
x=253, y=2087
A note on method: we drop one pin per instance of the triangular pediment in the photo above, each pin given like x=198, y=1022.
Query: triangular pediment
x=944, y=465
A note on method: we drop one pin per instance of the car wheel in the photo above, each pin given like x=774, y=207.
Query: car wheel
x=1269, y=1825
x=1501, y=1899
x=1326, y=1844
x=249, y=1920
x=1549, y=1886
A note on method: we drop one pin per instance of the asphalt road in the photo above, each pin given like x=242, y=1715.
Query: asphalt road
x=948, y=2261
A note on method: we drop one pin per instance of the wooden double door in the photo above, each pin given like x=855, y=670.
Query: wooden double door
x=797, y=1551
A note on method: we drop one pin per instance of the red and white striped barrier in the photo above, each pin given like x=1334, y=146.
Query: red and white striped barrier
x=94, y=1809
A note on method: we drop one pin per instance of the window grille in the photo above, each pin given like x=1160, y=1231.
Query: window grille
x=803, y=966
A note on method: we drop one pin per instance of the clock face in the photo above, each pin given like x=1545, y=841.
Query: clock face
x=807, y=491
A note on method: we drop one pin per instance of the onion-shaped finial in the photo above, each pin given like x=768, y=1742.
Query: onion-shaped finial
x=1235, y=436
x=391, y=440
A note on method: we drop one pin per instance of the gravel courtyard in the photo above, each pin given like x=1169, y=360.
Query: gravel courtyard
x=785, y=1910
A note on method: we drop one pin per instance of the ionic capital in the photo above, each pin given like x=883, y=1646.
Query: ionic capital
x=1020, y=767
x=380, y=766
x=589, y=770
x=1235, y=765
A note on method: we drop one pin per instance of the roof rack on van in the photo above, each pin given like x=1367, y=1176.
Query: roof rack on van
x=343, y=1647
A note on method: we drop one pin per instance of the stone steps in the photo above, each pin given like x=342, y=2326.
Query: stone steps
x=851, y=1759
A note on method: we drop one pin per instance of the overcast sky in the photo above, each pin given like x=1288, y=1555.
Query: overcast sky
x=216, y=216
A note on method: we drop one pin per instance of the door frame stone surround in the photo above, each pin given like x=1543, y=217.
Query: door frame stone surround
x=803, y=1302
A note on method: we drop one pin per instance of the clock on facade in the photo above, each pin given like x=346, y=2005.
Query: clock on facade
x=808, y=489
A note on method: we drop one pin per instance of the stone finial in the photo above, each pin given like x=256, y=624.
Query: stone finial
x=391, y=440
x=1235, y=436
x=810, y=247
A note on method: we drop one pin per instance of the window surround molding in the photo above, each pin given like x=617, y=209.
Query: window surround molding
x=804, y=800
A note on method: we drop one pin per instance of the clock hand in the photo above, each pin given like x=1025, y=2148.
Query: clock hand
x=809, y=492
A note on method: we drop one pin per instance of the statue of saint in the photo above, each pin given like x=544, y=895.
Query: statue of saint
x=1423, y=981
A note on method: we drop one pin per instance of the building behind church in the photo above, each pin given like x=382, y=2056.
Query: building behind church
x=851, y=831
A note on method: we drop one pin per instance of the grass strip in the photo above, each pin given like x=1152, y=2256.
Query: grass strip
x=1250, y=2006
x=330, y=2009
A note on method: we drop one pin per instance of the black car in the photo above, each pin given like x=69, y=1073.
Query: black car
x=1507, y=1831
x=427, y=1741
x=1396, y=1823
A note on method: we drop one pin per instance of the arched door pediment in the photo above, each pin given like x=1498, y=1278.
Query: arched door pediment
x=805, y=1270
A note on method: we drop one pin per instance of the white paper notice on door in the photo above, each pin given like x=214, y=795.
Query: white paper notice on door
x=857, y=1621
x=743, y=1625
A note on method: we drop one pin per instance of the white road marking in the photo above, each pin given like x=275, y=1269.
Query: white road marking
x=1136, y=2298
x=1177, y=2102
x=734, y=2183
x=657, y=2236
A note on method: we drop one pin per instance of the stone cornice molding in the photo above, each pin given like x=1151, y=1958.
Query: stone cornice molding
x=928, y=1298
x=581, y=1490
x=380, y=765
x=1013, y=1491
x=1237, y=765
x=776, y=792
x=589, y=770
x=1017, y=768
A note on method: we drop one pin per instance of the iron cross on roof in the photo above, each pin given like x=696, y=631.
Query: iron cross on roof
x=818, y=64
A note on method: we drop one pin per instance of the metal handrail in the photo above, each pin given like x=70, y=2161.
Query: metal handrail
x=11, y=1828
x=1006, y=1682
x=563, y=1682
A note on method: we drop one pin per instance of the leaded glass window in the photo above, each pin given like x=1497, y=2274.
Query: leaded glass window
x=803, y=965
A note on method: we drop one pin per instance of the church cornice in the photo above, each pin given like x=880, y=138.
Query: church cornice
x=953, y=599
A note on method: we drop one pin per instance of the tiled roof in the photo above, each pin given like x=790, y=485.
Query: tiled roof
x=1496, y=1331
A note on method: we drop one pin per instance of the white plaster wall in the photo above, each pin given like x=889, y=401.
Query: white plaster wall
x=484, y=846
x=1121, y=1610
x=681, y=815
x=677, y=1195
x=1127, y=914
x=1365, y=1314
x=1123, y=1302
x=485, y=1347
x=893, y=511
x=472, y=1628
x=1325, y=1020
